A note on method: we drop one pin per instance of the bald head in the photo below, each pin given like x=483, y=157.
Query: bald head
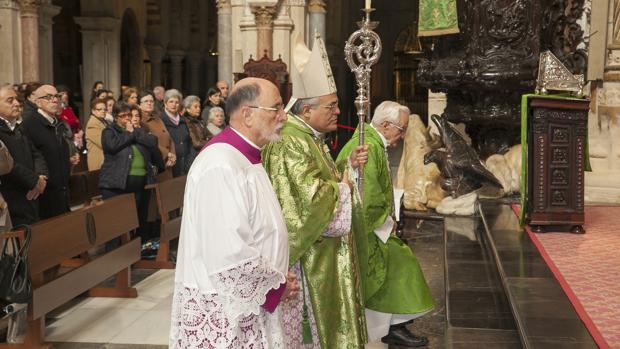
x=255, y=109
x=246, y=92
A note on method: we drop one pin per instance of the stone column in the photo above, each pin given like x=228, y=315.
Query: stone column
x=156, y=55
x=264, y=30
x=176, y=68
x=194, y=60
x=30, y=39
x=46, y=46
x=246, y=46
x=224, y=40
x=316, y=10
x=101, y=54
x=282, y=27
x=10, y=62
x=298, y=16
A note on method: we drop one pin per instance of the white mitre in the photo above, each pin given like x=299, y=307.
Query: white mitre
x=311, y=73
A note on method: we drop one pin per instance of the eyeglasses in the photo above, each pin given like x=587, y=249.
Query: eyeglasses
x=123, y=115
x=399, y=128
x=277, y=108
x=100, y=109
x=51, y=97
x=331, y=107
x=150, y=101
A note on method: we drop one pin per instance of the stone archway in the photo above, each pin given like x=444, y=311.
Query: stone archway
x=131, y=62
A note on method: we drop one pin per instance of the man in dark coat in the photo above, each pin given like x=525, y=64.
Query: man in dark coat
x=47, y=133
x=21, y=186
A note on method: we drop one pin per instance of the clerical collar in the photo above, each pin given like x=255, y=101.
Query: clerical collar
x=383, y=139
x=233, y=137
x=317, y=134
x=11, y=124
x=52, y=120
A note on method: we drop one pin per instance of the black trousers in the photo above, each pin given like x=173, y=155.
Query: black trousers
x=135, y=185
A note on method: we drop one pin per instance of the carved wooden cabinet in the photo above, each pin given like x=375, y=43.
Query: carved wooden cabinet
x=557, y=131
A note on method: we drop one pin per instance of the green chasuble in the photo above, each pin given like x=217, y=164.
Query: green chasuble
x=394, y=282
x=305, y=179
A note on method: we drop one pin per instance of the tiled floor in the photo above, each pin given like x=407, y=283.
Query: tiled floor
x=143, y=323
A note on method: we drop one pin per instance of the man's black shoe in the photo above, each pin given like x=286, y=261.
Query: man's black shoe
x=400, y=335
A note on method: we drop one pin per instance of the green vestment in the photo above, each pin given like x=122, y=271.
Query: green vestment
x=305, y=179
x=394, y=282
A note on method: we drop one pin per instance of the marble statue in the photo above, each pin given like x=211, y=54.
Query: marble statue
x=420, y=182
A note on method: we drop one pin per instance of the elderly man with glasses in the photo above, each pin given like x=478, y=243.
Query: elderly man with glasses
x=51, y=137
x=395, y=290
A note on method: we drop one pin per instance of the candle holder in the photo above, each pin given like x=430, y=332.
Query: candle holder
x=362, y=50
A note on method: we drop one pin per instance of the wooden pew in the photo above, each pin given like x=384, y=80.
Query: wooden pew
x=169, y=198
x=57, y=239
x=83, y=188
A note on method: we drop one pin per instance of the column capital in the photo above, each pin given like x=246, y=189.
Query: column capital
x=264, y=16
x=9, y=4
x=317, y=6
x=223, y=6
x=29, y=7
x=194, y=55
x=156, y=52
x=47, y=11
x=300, y=3
x=176, y=55
x=98, y=24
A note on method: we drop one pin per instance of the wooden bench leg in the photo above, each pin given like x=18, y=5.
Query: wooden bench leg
x=34, y=339
x=121, y=288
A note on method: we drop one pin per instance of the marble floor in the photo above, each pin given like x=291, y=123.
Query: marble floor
x=143, y=323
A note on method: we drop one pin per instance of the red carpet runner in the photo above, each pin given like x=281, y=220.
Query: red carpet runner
x=588, y=268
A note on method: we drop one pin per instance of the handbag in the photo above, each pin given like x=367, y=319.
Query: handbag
x=15, y=283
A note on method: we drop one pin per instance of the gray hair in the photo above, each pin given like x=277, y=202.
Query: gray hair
x=388, y=111
x=212, y=112
x=173, y=93
x=302, y=102
x=241, y=96
x=189, y=100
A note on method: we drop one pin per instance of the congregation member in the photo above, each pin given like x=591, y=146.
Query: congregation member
x=216, y=121
x=94, y=92
x=232, y=262
x=222, y=86
x=158, y=93
x=94, y=127
x=130, y=95
x=131, y=161
x=197, y=129
x=155, y=125
x=316, y=201
x=395, y=289
x=6, y=165
x=213, y=100
x=41, y=125
x=178, y=132
x=109, y=106
x=26, y=180
x=136, y=116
